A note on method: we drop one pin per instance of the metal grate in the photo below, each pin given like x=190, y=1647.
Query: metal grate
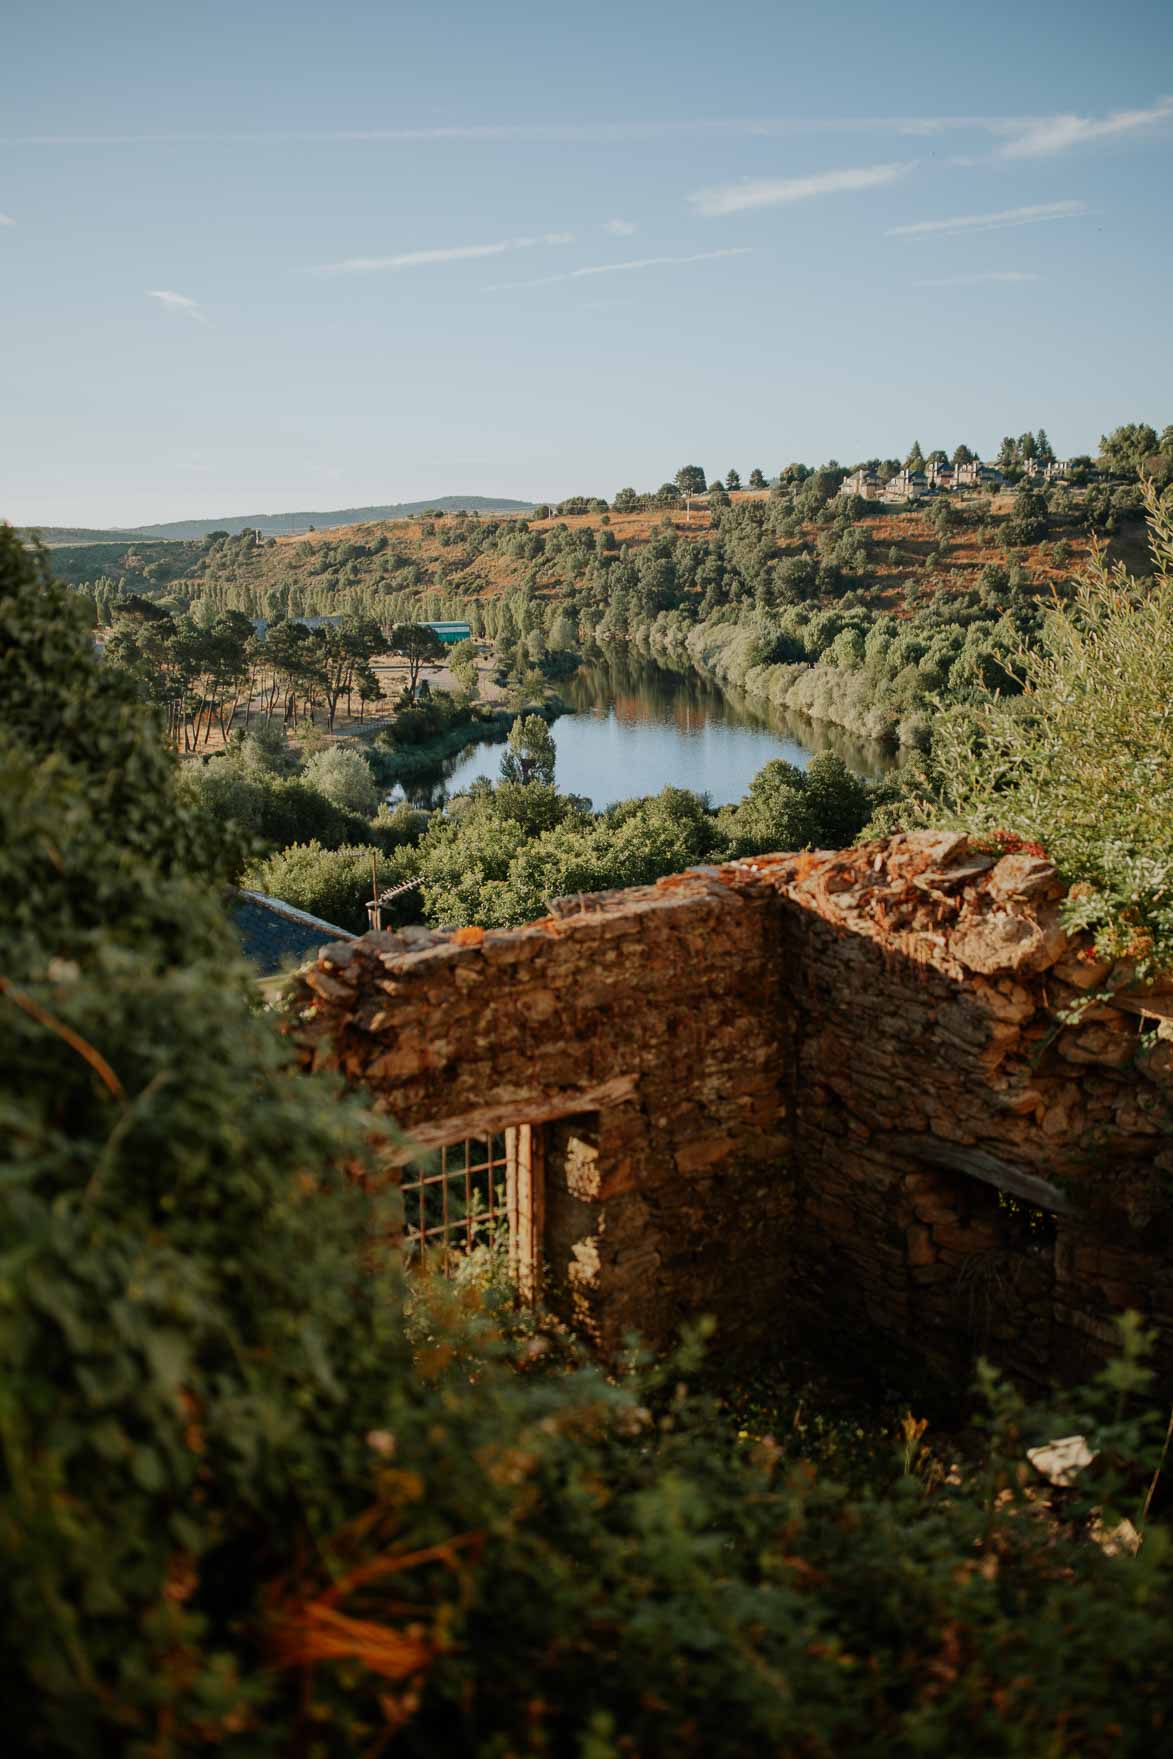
x=455, y=1198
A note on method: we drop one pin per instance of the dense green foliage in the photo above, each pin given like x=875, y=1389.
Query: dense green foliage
x=333, y=882
x=182, y=1309
x=501, y=854
x=1083, y=761
x=777, y=567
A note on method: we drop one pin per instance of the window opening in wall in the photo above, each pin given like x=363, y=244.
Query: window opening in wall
x=477, y=1193
x=982, y=1264
x=1007, y=1281
x=1025, y=1224
x=454, y=1200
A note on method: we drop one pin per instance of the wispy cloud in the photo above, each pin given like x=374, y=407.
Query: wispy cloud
x=7, y=220
x=990, y=222
x=178, y=302
x=454, y=253
x=621, y=228
x=771, y=192
x=557, y=133
x=1022, y=135
x=701, y=256
x=1057, y=134
x=1006, y=275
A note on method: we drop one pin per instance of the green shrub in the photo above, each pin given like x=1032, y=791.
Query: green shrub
x=1083, y=761
x=344, y=777
x=188, y=1346
x=262, y=812
x=331, y=883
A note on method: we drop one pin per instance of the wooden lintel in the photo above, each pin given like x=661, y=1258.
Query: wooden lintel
x=538, y=1107
x=978, y=1164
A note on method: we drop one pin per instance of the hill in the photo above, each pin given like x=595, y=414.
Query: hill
x=54, y=537
x=285, y=524
x=271, y=524
x=462, y=559
x=862, y=614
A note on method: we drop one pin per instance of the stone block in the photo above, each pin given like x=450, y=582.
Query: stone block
x=920, y=1247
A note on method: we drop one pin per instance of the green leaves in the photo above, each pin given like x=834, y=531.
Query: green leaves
x=1083, y=762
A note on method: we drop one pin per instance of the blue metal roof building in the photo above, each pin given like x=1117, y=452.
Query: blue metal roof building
x=277, y=938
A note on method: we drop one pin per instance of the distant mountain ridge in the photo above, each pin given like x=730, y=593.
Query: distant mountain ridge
x=286, y=524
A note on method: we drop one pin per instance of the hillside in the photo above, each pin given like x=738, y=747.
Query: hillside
x=56, y=536
x=281, y=524
x=465, y=558
x=270, y=524
x=850, y=612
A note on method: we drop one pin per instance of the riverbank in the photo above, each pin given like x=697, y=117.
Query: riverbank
x=731, y=656
x=405, y=764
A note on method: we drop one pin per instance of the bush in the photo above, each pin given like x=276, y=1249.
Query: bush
x=331, y=883
x=824, y=806
x=344, y=777
x=188, y=1347
x=1083, y=763
x=262, y=812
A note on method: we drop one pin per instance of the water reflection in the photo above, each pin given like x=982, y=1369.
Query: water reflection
x=637, y=726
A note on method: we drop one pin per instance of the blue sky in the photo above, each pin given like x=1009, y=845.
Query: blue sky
x=258, y=256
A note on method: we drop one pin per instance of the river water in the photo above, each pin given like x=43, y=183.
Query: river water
x=636, y=727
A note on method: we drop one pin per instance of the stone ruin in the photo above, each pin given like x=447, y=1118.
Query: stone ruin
x=876, y=1093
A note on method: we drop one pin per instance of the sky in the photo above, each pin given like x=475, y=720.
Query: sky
x=261, y=256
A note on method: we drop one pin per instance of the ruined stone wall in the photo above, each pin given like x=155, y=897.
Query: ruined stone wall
x=652, y=1021
x=951, y=1050
x=876, y=1092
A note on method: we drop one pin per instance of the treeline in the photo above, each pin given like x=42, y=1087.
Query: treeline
x=201, y=672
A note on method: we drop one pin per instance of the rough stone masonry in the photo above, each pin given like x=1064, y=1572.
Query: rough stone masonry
x=876, y=1091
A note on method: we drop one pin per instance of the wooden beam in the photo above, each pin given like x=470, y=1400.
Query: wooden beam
x=526, y=1202
x=978, y=1164
x=537, y=1107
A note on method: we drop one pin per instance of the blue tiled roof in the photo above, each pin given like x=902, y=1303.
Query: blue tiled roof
x=276, y=937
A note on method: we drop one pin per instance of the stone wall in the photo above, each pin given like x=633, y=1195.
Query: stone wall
x=875, y=1091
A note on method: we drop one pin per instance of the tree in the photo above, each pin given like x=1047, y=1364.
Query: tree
x=531, y=753
x=1124, y=450
x=1044, y=451
x=419, y=646
x=963, y=455
x=1084, y=762
x=732, y=480
x=1008, y=452
x=1028, y=523
x=345, y=777
x=626, y=501
x=161, y=1258
x=331, y=883
x=338, y=649
x=916, y=458
x=690, y=479
x=756, y=480
x=462, y=663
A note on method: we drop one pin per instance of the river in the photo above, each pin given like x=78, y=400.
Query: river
x=636, y=727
